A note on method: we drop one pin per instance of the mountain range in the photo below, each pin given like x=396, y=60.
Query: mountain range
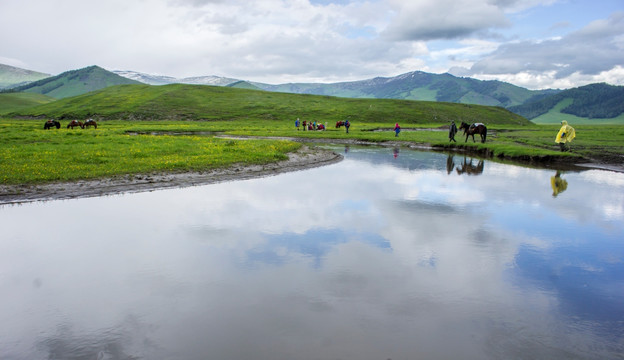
x=584, y=104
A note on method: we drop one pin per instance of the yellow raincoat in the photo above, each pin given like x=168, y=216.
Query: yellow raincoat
x=566, y=133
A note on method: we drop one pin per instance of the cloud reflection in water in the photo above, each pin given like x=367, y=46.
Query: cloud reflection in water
x=376, y=257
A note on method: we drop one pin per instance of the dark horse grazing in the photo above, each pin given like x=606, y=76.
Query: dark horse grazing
x=72, y=124
x=90, y=122
x=50, y=124
x=476, y=128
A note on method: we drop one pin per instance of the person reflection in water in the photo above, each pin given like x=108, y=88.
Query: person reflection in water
x=558, y=184
x=450, y=164
x=395, y=152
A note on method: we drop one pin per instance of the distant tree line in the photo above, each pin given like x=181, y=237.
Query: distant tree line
x=597, y=101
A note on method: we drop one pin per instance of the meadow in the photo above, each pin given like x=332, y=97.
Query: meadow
x=31, y=155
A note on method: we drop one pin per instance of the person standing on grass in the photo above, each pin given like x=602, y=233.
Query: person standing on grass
x=297, y=124
x=452, y=131
x=347, y=124
x=397, y=130
x=565, y=135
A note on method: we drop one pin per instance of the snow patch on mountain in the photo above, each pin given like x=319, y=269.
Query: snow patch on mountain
x=164, y=80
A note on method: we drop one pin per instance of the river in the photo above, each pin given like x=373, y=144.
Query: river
x=389, y=254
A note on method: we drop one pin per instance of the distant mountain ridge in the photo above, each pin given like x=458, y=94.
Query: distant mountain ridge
x=415, y=85
x=11, y=76
x=419, y=85
x=595, y=101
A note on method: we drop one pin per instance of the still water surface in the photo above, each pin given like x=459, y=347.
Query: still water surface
x=387, y=255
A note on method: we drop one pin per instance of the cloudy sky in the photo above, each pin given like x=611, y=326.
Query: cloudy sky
x=531, y=43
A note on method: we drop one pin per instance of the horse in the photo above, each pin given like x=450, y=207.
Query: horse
x=339, y=124
x=72, y=124
x=471, y=130
x=90, y=122
x=51, y=123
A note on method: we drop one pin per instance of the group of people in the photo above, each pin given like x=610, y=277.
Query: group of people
x=313, y=125
x=309, y=125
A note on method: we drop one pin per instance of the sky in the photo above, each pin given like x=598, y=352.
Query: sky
x=536, y=44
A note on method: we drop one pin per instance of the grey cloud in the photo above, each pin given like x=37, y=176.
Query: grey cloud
x=444, y=20
x=597, y=47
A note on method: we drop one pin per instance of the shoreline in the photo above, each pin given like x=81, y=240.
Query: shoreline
x=305, y=158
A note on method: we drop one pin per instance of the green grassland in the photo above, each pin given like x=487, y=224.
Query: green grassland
x=147, y=129
x=32, y=155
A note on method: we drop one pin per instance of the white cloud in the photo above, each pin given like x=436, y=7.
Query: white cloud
x=299, y=41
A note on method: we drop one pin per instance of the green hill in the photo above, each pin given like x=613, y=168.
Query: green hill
x=243, y=85
x=10, y=102
x=595, y=103
x=11, y=76
x=200, y=102
x=75, y=82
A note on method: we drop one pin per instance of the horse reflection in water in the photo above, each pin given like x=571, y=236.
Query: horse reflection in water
x=467, y=167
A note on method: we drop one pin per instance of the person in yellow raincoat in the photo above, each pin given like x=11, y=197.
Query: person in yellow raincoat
x=565, y=135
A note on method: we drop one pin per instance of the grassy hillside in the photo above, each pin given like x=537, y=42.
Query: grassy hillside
x=243, y=85
x=11, y=102
x=199, y=102
x=555, y=116
x=75, y=82
x=12, y=76
x=602, y=102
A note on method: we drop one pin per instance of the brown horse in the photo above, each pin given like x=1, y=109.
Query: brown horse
x=72, y=124
x=50, y=124
x=471, y=130
x=90, y=122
